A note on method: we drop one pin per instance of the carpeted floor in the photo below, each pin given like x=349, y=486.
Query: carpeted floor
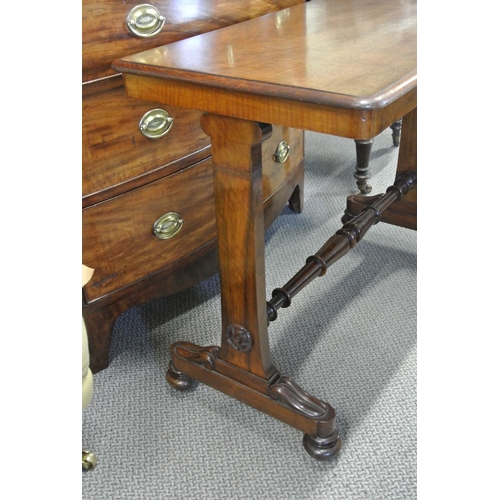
x=350, y=339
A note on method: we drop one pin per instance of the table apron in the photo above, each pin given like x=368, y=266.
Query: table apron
x=354, y=123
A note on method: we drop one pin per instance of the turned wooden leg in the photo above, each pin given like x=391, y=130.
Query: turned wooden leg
x=401, y=213
x=362, y=173
x=241, y=367
x=363, y=152
x=396, y=132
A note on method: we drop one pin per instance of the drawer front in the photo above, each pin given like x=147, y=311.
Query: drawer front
x=114, y=150
x=118, y=239
x=274, y=173
x=106, y=37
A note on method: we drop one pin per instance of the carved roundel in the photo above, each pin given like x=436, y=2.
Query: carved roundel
x=239, y=338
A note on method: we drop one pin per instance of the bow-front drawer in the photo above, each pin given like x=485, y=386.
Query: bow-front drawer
x=138, y=233
x=130, y=236
x=282, y=154
x=128, y=143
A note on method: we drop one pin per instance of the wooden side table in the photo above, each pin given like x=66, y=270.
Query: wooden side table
x=344, y=68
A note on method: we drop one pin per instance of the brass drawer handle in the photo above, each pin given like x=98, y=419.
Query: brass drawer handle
x=145, y=21
x=282, y=152
x=155, y=123
x=167, y=226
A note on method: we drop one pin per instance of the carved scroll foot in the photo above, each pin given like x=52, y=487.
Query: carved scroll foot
x=323, y=448
x=177, y=379
x=277, y=396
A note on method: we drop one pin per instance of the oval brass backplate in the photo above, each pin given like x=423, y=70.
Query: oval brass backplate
x=167, y=226
x=156, y=123
x=145, y=21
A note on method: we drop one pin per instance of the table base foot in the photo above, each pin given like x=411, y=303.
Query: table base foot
x=323, y=448
x=401, y=213
x=279, y=396
x=177, y=379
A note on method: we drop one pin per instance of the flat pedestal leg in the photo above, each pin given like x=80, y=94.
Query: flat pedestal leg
x=241, y=367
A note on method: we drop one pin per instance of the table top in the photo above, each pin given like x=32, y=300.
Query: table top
x=359, y=55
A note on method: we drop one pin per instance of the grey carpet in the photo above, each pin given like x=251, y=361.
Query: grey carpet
x=349, y=339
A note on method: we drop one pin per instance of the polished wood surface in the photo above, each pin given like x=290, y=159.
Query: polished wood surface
x=401, y=213
x=118, y=157
x=242, y=367
x=342, y=67
x=293, y=67
x=341, y=242
x=101, y=314
x=240, y=225
x=105, y=36
x=122, y=228
x=129, y=180
x=118, y=232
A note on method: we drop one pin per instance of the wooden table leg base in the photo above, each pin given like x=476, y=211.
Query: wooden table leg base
x=401, y=213
x=178, y=380
x=279, y=396
x=323, y=448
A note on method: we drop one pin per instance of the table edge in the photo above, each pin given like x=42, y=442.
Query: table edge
x=306, y=95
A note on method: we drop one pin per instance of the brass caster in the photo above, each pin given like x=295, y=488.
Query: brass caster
x=323, y=448
x=177, y=379
x=89, y=460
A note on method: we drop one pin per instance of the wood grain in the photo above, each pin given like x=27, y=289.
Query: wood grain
x=240, y=234
x=117, y=234
x=105, y=36
x=320, y=55
x=111, y=139
x=118, y=241
x=127, y=179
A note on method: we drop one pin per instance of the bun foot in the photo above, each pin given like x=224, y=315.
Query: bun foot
x=177, y=379
x=323, y=448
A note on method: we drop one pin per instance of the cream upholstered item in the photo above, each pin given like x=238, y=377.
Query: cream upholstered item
x=87, y=378
x=88, y=459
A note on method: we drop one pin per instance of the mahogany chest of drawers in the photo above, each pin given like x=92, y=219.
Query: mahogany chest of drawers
x=148, y=223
